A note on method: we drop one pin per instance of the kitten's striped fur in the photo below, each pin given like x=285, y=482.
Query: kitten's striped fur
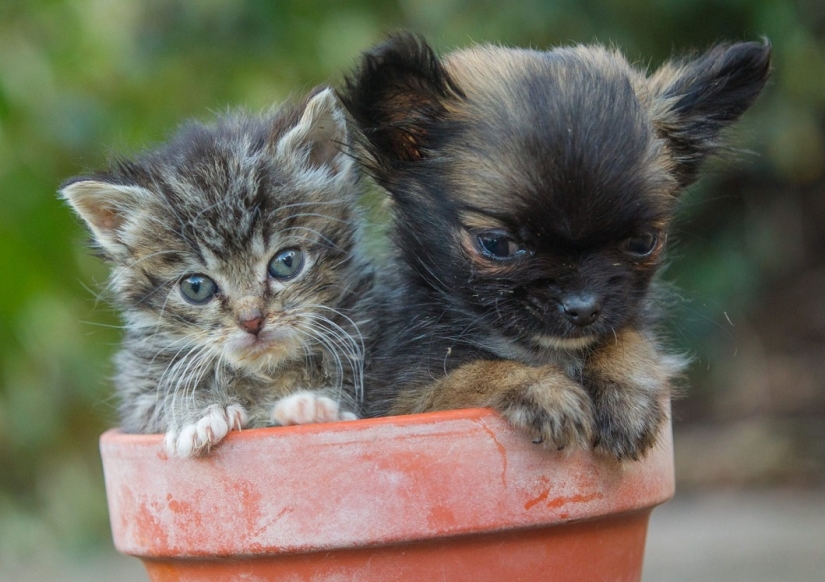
x=222, y=200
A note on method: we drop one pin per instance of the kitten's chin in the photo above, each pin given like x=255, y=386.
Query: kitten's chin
x=564, y=343
x=262, y=354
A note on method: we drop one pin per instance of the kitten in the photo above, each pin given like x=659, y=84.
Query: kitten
x=533, y=192
x=235, y=253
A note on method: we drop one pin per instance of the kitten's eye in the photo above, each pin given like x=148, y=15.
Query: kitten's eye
x=198, y=289
x=286, y=264
x=641, y=245
x=499, y=245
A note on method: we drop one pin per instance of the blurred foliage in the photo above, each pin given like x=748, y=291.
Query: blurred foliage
x=81, y=78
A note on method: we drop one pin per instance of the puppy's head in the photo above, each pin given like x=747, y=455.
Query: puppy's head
x=535, y=189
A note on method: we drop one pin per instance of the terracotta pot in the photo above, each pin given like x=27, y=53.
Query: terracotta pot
x=447, y=496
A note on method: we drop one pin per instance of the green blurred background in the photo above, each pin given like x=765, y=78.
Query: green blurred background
x=80, y=79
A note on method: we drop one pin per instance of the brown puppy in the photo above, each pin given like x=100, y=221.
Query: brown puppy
x=532, y=194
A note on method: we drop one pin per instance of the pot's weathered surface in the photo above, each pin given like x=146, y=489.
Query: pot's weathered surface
x=451, y=496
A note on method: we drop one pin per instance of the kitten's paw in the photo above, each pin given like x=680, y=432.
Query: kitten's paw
x=306, y=408
x=197, y=438
x=627, y=424
x=556, y=412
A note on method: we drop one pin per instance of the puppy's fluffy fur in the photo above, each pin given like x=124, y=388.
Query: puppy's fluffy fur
x=532, y=194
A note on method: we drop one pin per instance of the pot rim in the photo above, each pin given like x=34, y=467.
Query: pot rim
x=363, y=483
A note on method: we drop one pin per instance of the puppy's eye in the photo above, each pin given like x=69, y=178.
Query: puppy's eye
x=286, y=264
x=499, y=245
x=198, y=289
x=640, y=245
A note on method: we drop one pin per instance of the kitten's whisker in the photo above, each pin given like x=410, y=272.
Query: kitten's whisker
x=345, y=341
x=177, y=375
x=220, y=369
x=317, y=234
x=163, y=309
x=203, y=366
x=345, y=259
x=136, y=262
x=343, y=315
x=340, y=202
x=336, y=360
x=106, y=325
x=319, y=335
x=98, y=295
x=194, y=220
x=172, y=365
x=313, y=214
x=185, y=379
x=352, y=349
x=190, y=338
x=163, y=285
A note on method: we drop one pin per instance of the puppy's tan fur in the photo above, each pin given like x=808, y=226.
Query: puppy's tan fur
x=533, y=195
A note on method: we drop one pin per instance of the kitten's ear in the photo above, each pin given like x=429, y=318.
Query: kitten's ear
x=319, y=139
x=395, y=96
x=694, y=99
x=103, y=206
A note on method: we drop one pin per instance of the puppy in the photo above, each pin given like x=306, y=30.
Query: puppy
x=532, y=196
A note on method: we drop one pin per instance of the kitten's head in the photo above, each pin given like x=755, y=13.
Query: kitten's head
x=234, y=238
x=536, y=188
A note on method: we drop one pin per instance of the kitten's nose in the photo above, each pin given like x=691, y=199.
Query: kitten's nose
x=252, y=322
x=581, y=310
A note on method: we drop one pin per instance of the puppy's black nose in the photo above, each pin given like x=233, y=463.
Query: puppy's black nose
x=581, y=310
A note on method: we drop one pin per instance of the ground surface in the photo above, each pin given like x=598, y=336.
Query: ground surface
x=733, y=537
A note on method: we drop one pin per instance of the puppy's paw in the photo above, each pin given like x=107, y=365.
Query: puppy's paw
x=198, y=437
x=628, y=423
x=630, y=381
x=307, y=408
x=555, y=411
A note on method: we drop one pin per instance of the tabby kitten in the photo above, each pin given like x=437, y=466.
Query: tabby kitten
x=235, y=253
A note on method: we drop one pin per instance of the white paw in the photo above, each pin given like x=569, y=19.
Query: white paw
x=198, y=437
x=308, y=408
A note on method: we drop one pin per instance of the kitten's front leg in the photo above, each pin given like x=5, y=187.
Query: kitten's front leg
x=630, y=382
x=201, y=432
x=308, y=407
x=543, y=401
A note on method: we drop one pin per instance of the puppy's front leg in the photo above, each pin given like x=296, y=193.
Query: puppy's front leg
x=630, y=382
x=543, y=401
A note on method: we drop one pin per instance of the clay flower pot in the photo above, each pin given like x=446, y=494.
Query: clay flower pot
x=447, y=496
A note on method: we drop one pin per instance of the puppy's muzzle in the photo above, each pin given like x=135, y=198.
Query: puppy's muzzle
x=581, y=309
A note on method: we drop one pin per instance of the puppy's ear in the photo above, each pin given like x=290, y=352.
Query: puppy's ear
x=396, y=95
x=694, y=99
